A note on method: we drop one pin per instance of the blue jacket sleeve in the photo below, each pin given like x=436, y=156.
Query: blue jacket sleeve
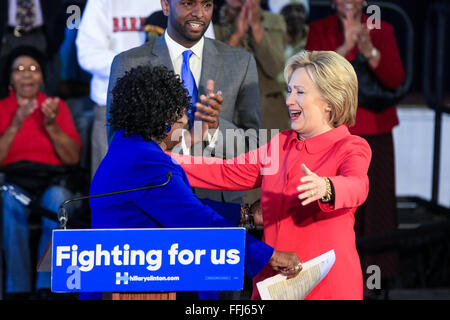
x=257, y=255
x=228, y=210
x=175, y=206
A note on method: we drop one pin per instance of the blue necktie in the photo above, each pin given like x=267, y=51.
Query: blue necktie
x=189, y=84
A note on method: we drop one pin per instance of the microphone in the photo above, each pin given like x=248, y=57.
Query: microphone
x=62, y=214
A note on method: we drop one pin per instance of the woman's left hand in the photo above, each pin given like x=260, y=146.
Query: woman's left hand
x=365, y=45
x=313, y=187
x=50, y=110
x=254, y=19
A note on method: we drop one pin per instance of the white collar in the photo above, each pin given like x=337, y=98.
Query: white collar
x=177, y=49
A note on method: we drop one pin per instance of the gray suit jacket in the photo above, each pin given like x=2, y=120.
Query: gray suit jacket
x=234, y=73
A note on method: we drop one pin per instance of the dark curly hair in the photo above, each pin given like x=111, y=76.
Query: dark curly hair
x=146, y=101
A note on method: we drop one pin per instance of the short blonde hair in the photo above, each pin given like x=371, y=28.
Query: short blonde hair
x=335, y=78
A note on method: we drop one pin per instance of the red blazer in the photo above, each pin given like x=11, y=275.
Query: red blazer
x=326, y=34
x=32, y=142
x=288, y=226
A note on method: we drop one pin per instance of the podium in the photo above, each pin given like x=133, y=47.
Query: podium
x=145, y=264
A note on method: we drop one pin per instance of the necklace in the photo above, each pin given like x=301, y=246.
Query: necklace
x=299, y=137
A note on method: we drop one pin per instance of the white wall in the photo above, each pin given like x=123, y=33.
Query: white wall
x=414, y=145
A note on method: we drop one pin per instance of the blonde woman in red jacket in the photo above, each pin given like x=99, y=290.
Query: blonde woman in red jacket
x=347, y=33
x=312, y=177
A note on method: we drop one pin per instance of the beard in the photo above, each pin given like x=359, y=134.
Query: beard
x=183, y=31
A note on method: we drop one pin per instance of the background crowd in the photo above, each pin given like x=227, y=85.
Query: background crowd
x=54, y=96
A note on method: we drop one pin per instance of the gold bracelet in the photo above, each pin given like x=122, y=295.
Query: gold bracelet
x=327, y=197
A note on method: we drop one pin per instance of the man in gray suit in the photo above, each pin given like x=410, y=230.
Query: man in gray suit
x=233, y=71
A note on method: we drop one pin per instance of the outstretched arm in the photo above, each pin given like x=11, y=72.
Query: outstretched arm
x=240, y=173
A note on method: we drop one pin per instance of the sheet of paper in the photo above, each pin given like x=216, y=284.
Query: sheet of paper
x=280, y=288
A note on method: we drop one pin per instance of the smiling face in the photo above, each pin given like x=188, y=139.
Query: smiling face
x=308, y=110
x=187, y=19
x=344, y=6
x=174, y=136
x=26, y=77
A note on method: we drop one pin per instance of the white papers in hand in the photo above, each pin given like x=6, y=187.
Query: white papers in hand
x=280, y=288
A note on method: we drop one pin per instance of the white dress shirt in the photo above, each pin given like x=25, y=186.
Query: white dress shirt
x=195, y=62
x=176, y=55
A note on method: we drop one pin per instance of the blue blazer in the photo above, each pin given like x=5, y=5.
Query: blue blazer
x=132, y=162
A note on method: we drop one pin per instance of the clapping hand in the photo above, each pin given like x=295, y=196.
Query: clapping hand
x=26, y=108
x=365, y=45
x=248, y=17
x=50, y=110
x=352, y=30
x=210, y=106
x=207, y=114
x=242, y=21
x=254, y=19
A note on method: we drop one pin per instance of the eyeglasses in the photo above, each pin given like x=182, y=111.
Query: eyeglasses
x=22, y=69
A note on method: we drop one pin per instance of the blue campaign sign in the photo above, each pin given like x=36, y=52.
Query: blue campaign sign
x=114, y=260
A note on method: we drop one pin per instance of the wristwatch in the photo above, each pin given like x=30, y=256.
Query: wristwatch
x=373, y=53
